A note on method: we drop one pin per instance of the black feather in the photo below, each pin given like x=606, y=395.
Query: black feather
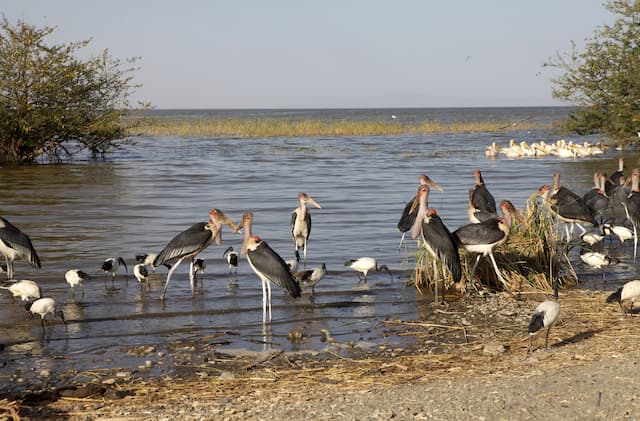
x=537, y=322
x=616, y=297
x=408, y=218
x=349, y=262
x=271, y=265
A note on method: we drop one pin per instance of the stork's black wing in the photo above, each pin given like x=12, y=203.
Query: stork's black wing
x=19, y=241
x=271, y=265
x=483, y=200
x=408, y=218
x=438, y=237
x=189, y=241
x=486, y=232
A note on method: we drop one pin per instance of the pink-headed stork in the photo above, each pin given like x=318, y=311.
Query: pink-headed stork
x=438, y=240
x=191, y=242
x=483, y=237
x=267, y=264
x=410, y=211
x=481, y=198
x=301, y=224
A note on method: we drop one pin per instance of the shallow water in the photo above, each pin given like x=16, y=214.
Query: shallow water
x=81, y=213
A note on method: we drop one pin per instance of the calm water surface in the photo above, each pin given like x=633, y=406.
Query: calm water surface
x=81, y=213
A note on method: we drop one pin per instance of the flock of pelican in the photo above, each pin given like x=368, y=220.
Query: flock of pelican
x=485, y=230
x=560, y=148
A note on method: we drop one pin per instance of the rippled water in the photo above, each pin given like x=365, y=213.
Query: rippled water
x=81, y=213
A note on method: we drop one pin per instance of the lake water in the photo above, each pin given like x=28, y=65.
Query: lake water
x=80, y=213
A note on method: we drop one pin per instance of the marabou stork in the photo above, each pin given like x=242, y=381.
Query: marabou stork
x=44, y=306
x=545, y=315
x=629, y=291
x=24, y=289
x=616, y=180
x=15, y=244
x=596, y=199
x=309, y=278
x=365, y=265
x=142, y=274
x=269, y=267
x=631, y=206
x=477, y=215
x=231, y=257
x=568, y=209
x=480, y=197
x=76, y=277
x=483, y=237
x=301, y=224
x=191, y=242
x=111, y=265
x=437, y=239
x=410, y=211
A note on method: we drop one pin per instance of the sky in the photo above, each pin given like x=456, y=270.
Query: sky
x=327, y=54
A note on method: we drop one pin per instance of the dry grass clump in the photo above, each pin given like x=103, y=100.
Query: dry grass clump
x=274, y=127
x=530, y=259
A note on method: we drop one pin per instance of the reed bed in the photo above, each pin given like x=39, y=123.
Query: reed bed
x=531, y=258
x=273, y=127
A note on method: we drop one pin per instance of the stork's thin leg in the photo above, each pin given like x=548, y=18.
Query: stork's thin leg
x=192, y=276
x=42, y=324
x=166, y=284
x=269, y=294
x=495, y=266
x=305, y=253
x=435, y=280
x=9, y=267
x=82, y=286
x=473, y=270
x=359, y=278
x=401, y=241
x=73, y=293
x=264, y=302
x=530, y=343
x=635, y=241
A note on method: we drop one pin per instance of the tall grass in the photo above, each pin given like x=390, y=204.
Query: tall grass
x=273, y=127
x=531, y=258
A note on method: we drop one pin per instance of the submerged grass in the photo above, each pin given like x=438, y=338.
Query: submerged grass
x=531, y=258
x=273, y=127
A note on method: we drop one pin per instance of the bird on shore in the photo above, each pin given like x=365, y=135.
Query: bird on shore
x=43, y=307
x=191, y=242
x=437, y=239
x=311, y=277
x=628, y=292
x=76, y=277
x=481, y=198
x=301, y=224
x=365, y=265
x=410, y=211
x=545, y=316
x=231, y=256
x=15, y=244
x=141, y=274
x=25, y=289
x=482, y=238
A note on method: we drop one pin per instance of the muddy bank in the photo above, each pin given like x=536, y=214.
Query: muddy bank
x=467, y=359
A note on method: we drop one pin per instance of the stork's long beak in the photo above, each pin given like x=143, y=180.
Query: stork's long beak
x=434, y=185
x=225, y=220
x=314, y=203
x=415, y=204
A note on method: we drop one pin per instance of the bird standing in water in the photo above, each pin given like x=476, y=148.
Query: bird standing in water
x=301, y=224
x=15, y=244
x=410, y=211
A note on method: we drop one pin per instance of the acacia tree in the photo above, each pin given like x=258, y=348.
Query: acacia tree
x=604, y=79
x=54, y=105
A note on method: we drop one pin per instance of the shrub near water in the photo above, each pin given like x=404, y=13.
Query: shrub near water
x=252, y=128
x=530, y=258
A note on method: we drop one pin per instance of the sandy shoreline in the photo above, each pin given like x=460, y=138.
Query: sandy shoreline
x=478, y=367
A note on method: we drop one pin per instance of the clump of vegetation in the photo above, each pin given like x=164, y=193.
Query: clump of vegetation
x=531, y=258
x=604, y=79
x=274, y=127
x=53, y=104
